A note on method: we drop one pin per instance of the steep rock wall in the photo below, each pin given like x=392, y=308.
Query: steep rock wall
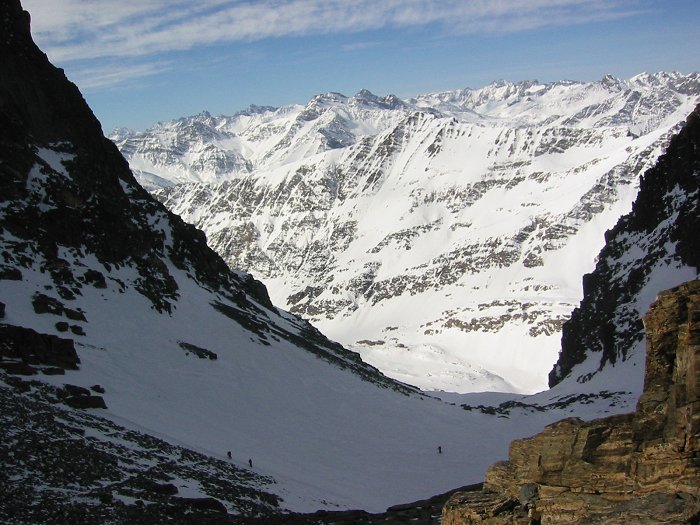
x=636, y=468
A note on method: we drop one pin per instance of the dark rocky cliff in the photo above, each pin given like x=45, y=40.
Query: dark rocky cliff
x=68, y=194
x=47, y=115
x=637, y=468
x=659, y=236
x=100, y=207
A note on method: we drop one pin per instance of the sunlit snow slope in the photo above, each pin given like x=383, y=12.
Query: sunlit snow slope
x=443, y=237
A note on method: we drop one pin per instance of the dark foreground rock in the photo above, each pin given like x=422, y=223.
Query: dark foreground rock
x=24, y=347
x=636, y=468
x=59, y=465
x=423, y=512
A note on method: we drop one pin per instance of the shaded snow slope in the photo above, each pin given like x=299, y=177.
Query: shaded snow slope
x=443, y=237
x=328, y=438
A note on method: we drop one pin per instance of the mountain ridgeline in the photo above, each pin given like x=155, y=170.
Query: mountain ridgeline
x=423, y=233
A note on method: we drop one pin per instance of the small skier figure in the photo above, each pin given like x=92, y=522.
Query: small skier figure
x=250, y=463
x=228, y=454
x=440, y=449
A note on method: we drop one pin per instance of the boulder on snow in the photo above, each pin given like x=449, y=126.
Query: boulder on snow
x=33, y=347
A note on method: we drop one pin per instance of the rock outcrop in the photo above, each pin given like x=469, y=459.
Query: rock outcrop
x=655, y=243
x=636, y=468
x=24, y=351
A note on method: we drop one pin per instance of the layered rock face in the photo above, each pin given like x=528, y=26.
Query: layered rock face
x=636, y=468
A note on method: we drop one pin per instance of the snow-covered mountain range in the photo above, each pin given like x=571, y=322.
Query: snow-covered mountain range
x=443, y=237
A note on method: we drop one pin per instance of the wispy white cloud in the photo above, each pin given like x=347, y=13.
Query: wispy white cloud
x=94, y=78
x=71, y=30
x=358, y=46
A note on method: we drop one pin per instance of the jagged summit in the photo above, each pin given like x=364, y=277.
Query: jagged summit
x=366, y=94
x=254, y=109
x=387, y=102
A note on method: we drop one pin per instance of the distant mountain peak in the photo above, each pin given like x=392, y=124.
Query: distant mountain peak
x=254, y=109
x=610, y=82
x=366, y=94
x=389, y=102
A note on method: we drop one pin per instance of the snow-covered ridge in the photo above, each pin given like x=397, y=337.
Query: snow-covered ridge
x=203, y=148
x=531, y=102
x=444, y=237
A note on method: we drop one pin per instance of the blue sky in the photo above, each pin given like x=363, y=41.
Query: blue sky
x=141, y=61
